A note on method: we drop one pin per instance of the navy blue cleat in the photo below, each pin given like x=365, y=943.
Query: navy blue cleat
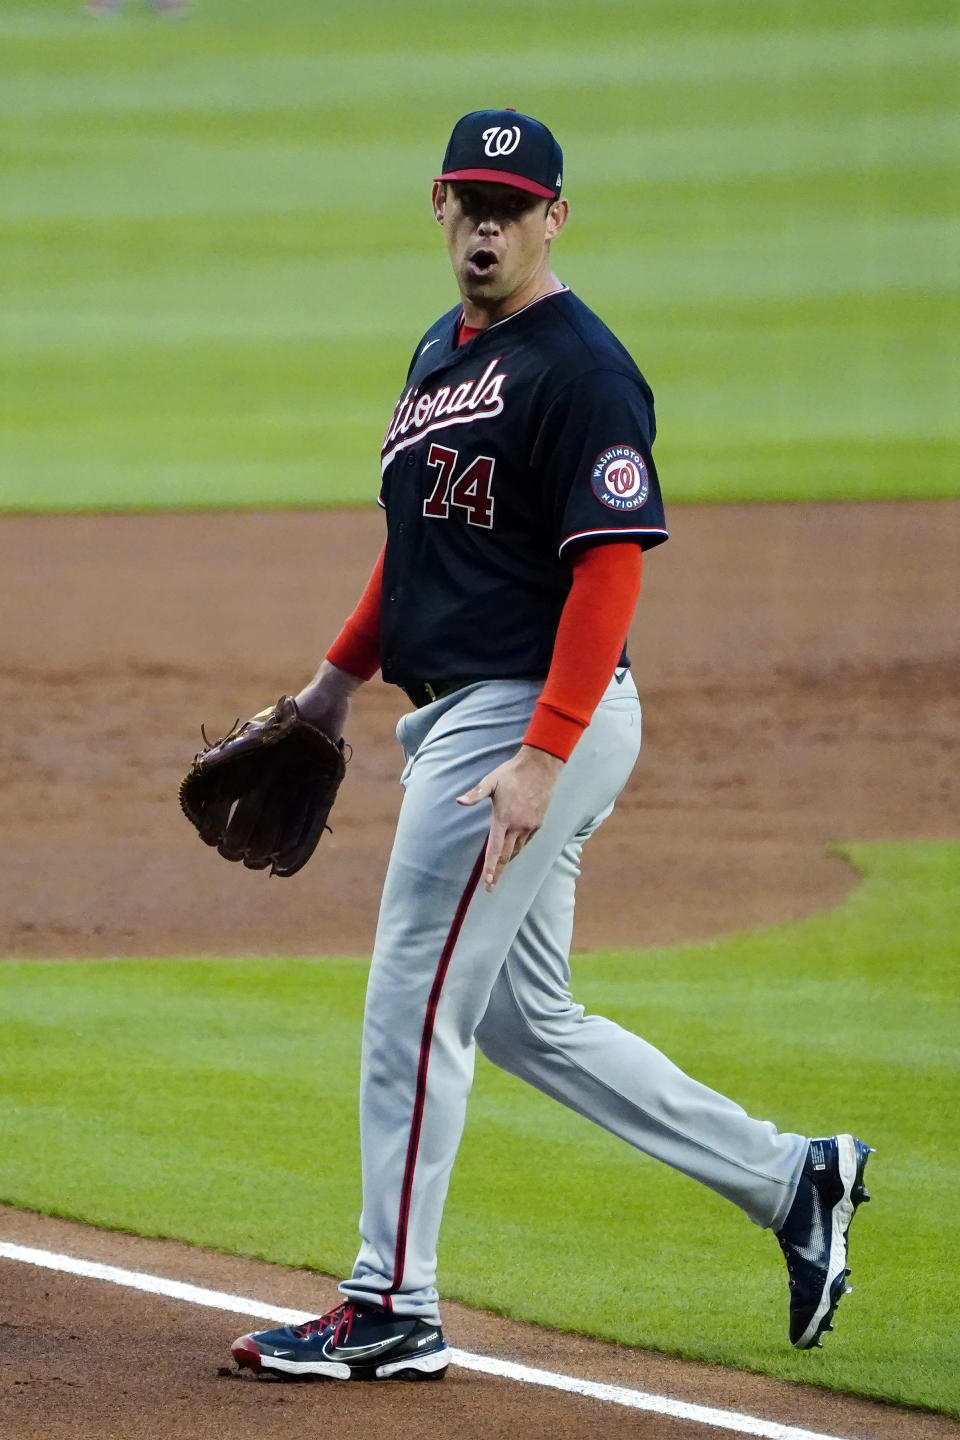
x=814, y=1234
x=351, y=1342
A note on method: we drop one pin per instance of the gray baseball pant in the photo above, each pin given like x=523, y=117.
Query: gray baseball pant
x=454, y=966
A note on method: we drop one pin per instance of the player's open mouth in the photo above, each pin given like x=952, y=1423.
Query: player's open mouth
x=482, y=262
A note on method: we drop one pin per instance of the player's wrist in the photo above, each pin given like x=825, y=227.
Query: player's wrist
x=548, y=762
x=333, y=680
x=325, y=701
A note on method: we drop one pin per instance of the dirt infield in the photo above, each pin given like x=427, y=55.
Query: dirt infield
x=798, y=668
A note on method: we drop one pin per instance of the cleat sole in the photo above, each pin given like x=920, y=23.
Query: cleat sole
x=415, y=1376
x=420, y=1367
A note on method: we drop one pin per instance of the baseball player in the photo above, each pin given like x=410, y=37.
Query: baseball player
x=520, y=496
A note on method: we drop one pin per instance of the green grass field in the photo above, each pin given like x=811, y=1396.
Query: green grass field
x=215, y=1101
x=217, y=254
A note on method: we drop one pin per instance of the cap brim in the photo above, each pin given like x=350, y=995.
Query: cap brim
x=501, y=177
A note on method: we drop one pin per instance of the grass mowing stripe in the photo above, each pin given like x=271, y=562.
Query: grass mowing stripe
x=803, y=57
x=124, y=1083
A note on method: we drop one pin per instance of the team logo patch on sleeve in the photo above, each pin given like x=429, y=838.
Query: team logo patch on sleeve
x=620, y=478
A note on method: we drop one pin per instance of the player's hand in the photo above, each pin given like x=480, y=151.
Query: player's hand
x=520, y=790
x=325, y=702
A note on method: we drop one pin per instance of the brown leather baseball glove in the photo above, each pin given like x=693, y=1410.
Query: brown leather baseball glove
x=262, y=794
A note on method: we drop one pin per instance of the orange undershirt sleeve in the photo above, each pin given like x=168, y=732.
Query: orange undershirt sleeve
x=357, y=647
x=593, y=626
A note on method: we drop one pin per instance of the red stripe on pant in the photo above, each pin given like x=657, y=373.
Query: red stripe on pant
x=416, y=1124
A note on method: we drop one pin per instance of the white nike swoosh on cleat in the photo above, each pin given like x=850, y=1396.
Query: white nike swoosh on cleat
x=355, y=1351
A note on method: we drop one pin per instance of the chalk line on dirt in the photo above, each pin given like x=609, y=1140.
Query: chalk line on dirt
x=485, y=1364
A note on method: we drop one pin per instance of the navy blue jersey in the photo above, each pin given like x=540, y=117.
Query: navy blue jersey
x=504, y=456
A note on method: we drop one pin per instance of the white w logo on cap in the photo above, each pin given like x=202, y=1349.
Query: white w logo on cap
x=500, y=140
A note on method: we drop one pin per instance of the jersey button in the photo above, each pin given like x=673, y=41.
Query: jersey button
x=411, y=458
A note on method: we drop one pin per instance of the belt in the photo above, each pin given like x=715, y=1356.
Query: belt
x=424, y=692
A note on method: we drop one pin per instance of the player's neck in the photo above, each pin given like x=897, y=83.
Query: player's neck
x=480, y=316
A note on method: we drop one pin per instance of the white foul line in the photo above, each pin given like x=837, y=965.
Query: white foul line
x=507, y=1369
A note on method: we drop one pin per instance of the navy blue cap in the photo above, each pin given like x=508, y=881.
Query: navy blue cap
x=506, y=148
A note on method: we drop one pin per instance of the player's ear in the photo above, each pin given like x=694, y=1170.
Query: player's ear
x=557, y=217
x=439, y=200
